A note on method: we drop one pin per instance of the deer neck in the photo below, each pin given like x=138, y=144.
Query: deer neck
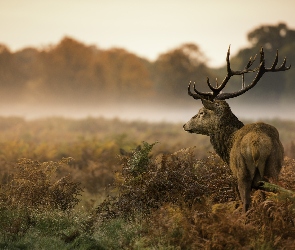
x=222, y=139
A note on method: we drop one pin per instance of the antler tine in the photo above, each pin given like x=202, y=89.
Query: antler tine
x=227, y=60
x=283, y=66
x=210, y=86
x=216, y=90
x=195, y=96
x=275, y=61
x=206, y=95
x=243, y=81
x=251, y=61
x=199, y=95
x=261, y=55
x=229, y=74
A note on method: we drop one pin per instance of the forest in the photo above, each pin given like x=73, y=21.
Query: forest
x=71, y=72
x=110, y=183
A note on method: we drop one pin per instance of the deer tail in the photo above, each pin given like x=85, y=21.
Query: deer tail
x=260, y=155
x=255, y=154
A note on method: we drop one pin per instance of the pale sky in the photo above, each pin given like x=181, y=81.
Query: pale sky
x=144, y=27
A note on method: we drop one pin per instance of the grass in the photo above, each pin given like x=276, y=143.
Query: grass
x=147, y=198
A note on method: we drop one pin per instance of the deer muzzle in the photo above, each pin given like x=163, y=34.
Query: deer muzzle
x=186, y=128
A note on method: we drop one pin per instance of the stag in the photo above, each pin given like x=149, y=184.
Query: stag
x=254, y=151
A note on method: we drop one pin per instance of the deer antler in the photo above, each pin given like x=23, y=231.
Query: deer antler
x=216, y=91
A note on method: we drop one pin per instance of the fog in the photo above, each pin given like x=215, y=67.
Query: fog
x=148, y=113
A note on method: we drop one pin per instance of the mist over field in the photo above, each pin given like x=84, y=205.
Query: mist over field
x=77, y=80
x=148, y=113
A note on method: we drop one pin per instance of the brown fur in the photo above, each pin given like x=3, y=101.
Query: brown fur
x=253, y=152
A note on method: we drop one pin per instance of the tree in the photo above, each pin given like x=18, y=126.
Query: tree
x=67, y=70
x=271, y=37
x=127, y=76
x=16, y=70
x=176, y=68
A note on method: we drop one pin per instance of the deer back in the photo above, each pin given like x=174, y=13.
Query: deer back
x=256, y=146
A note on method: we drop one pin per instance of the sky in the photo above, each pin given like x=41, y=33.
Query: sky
x=146, y=27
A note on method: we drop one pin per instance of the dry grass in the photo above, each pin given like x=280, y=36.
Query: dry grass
x=158, y=200
x=193, y=204
x=35, y=185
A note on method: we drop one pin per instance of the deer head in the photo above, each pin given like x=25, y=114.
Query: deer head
x=209, y=118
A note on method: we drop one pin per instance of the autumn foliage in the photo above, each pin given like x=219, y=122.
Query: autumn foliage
x=74, y=73
x=71, y=72
x=119, y=192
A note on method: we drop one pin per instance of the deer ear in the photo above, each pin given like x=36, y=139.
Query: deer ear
x=209, y=104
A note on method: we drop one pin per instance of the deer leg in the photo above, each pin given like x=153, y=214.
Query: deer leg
x=256, y=179
x=245, y=193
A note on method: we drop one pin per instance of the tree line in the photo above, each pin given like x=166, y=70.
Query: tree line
x=73, y=72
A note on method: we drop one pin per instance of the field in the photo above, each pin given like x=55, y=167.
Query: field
x=100, y=183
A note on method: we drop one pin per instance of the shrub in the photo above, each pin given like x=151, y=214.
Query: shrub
x=36, y=209
x=147, y=183
x=34, y=186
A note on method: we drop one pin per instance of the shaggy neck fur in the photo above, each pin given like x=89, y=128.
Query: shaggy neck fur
x=222, y=138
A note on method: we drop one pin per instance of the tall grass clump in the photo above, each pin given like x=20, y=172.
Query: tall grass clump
x=34, y=186
x=36, y=209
